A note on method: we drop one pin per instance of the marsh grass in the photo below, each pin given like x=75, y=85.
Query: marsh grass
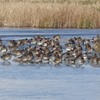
x=50, y=14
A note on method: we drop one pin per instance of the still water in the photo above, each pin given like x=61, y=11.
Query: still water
x=45, y=82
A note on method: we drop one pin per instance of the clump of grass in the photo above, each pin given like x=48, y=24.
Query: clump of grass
x=49, y=15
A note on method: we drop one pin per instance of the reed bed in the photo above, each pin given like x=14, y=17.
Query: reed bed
x=50, y=15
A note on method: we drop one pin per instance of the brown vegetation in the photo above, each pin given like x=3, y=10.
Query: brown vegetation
x=50, y=14
x=97, y=45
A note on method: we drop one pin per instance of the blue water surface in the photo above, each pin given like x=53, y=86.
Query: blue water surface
x=46, y=82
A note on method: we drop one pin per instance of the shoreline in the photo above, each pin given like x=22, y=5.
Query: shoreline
x=10, y=27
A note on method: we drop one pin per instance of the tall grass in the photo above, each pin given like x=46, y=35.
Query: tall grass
x=66, y=14
x=57, y=1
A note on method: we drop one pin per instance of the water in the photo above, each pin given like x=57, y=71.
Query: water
x=39, y=82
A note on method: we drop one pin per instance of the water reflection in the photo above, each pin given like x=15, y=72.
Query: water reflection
x=6, y=63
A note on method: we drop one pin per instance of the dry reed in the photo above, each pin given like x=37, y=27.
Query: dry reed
x=50, y=15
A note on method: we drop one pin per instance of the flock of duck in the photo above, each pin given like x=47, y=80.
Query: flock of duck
x=75, y=52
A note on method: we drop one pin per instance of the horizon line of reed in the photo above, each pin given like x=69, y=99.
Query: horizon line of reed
x=49, y=15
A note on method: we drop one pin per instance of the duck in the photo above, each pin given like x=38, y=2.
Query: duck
x=12, y=43
x=69, y=44
x=12, y=48
x=56, y=47
x=96, y=38
x=52, y=42
x=27, y=58
x=46, y=51
x=98, y=61
x=0, y=42
x=40, y=41
x=80, y=61
x=85, y=56
x=6, y=56
x=70, y=48
x=78, y=47
x=30, y=48
x=33, y=41
x=93, y=59
x=18, y=42
x=3, y=49
x=75, y=53
x=45, y=59
x=56, y=37
x=97, y=47
x=55, y=60
x=25, y=41
x=71, y=41
x=65, y=55
x=70, y=61
x=38, y=37
x=88, y=47
x=45, y=43
x=38, y=58
x=18, y=53
x=86, y=41
x=51, y=58
x=80, y=40
x=79, y=53
x=17, y=60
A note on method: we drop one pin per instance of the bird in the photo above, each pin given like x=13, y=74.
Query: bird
x=6, y=56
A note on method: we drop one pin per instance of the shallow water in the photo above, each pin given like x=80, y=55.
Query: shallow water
x=46, y=82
